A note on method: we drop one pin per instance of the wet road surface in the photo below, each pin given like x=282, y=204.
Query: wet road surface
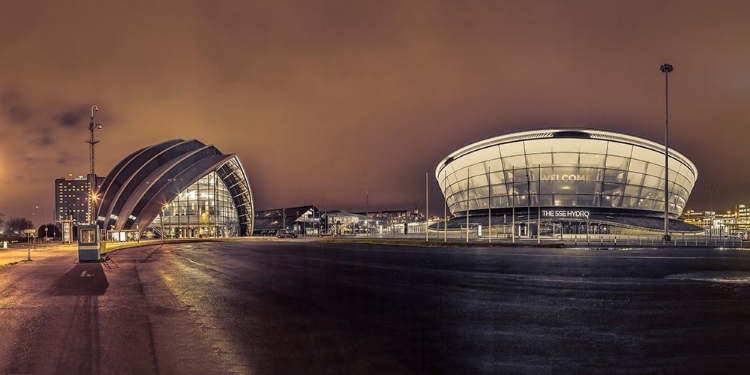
x=291, y=307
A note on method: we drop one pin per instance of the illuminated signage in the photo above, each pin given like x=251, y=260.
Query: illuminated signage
x=565, y=177
x=566, y=213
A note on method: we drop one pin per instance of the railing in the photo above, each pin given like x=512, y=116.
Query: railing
x=575, y=240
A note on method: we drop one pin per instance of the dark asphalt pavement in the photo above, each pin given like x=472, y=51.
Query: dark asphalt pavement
x=292, y=307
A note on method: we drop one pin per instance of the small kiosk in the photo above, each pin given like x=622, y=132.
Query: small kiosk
x=88, y=243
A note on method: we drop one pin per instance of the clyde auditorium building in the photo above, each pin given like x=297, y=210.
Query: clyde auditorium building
x=566, y=181
x=177, y=188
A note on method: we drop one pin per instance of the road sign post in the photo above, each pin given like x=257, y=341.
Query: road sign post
x=29, y=233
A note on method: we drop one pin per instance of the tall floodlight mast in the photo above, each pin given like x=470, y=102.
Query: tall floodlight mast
x=666, y=69
x=92, y=176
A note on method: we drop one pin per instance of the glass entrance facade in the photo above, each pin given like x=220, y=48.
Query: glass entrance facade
x=204, y=209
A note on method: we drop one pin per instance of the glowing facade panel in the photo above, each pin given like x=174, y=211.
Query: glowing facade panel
x=565, y=168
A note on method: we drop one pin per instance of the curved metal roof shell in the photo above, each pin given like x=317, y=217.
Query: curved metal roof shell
x=134, y=192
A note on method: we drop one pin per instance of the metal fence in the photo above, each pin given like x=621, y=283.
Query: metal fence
x=593, y=240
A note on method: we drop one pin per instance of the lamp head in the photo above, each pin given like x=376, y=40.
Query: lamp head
x=666, y=68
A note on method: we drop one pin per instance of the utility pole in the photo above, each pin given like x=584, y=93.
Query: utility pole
x=489, y=204
x=427, y=207
x=92, y=176
x=666, y=69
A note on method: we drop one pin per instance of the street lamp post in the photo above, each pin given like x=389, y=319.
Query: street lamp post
x=666, y=69
x=163, y=236
x=367, y=209
x=427, y=207
x=92, y=177
x=711, y=210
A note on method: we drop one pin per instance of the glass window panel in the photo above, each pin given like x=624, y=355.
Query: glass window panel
x=496, y=171
x=564, y=172
x=499, y=190
x=460, y=163
x=635, y=178
x=629, y=201
x=593, y=160
x=657, y=205
x=476, y=170
x=588, y=187
x=679, y=191
x=647, y=155
x=632, y=190
x=515, y=161
x=565, y=200
x=619, y=149
x=565, y=187
x=616, y=162
x=565, y=158
x=567, y=145
x=512, y=149
x=486, y=153
x=648, y=193
x=592, y=174
x=652, y=182
x=545, y=200
x=596, y=146
x=500, y=201
x=520, y=188
x=637, y=166
x=477, y=181
x=614, y=175
x=540, y=159
x=612, y=189
x=540, y=146
x=586, y=200
x=547, y=187
x=655, y=170
x=482, y=195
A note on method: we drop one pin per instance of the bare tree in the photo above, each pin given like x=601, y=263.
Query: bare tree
x=16, y=225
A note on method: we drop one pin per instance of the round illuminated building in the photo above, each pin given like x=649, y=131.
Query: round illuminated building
x=566, y=181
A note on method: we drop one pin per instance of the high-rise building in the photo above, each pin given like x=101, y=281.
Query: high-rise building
x=71, y=198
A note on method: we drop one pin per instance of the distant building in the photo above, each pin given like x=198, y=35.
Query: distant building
x=395, y=216
x=72, y=198
x=300, y=220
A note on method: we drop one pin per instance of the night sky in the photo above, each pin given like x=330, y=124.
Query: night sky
x=322, y=99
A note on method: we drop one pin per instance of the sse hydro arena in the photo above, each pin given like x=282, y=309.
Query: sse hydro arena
x=565, y=182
